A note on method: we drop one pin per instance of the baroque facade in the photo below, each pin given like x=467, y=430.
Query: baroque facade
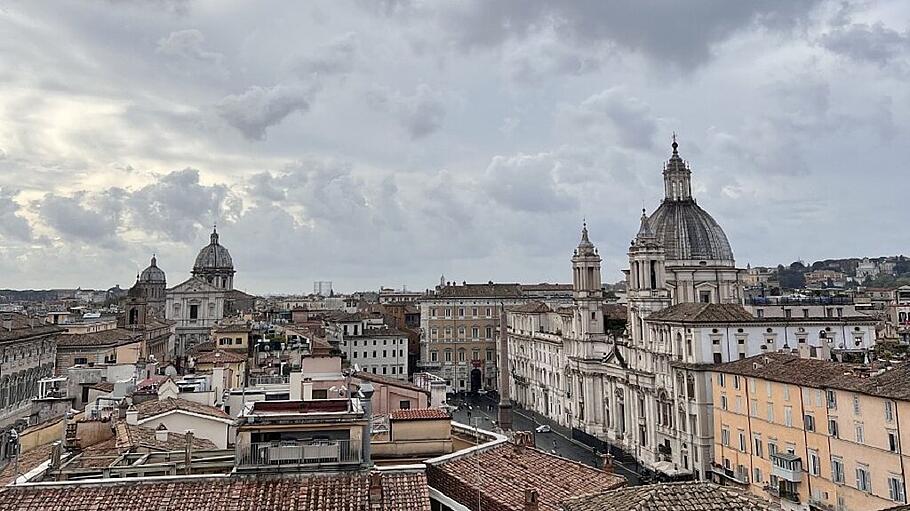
x=646, y=392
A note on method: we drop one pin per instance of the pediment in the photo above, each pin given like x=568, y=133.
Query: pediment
x=195, y=285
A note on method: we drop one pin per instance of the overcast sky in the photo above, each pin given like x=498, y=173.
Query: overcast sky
x=387, y=142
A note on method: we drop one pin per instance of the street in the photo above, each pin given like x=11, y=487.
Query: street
x=482, y=413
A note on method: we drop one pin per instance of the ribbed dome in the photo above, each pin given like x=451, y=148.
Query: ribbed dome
x=213, y=256
x=688, y=232
x=153, y=274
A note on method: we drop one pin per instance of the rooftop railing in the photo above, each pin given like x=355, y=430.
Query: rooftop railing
x=299, y=453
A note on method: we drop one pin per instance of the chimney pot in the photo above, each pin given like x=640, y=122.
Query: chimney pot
x=531, y=500
x=161, y=433
x=375, y=489
x=132, y=416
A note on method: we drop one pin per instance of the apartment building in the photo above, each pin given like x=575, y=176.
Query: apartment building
x=459, y=324
x=812, y=434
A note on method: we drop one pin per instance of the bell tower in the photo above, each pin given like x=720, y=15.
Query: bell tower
x=587, y=287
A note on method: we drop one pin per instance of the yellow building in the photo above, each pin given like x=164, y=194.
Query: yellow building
x=813, y=434
x=233, y=335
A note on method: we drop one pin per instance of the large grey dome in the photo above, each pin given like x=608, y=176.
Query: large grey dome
x=153, y=274
x=213, y=256
x=686, y=231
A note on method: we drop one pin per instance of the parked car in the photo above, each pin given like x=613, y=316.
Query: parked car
x=543, y=428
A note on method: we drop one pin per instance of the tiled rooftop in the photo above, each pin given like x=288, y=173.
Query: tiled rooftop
x=781, y=367
x=702, y=313
x=480, y=291
x=531, y=308
x=228, y=357
x=504, y=472
x=152, y=408
x=112, y=337
x=419, y=414
x=401, y=491
x=688, y=496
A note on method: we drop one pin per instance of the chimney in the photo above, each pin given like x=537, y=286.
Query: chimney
x=531, y=498
x=132, y=416
x=161, y=433
x=121, y=409
x=375, y=490
x=366, y=401
x=188, y=452
x=606, y=462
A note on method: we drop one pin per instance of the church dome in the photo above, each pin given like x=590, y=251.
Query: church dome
x=153, y=274
x=213, y=257
x=686, y=231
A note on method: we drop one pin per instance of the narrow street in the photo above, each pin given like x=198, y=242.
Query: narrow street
x=482, y=413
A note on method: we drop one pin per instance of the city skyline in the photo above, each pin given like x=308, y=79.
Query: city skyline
x=359, y=143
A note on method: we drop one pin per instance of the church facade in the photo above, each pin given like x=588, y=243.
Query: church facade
x=645, y=391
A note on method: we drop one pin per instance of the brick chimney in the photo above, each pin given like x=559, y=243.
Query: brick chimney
x=375, y=490
x=606, y=462
x=522, y=439
x=531, y=500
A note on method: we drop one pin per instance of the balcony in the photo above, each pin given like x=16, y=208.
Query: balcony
x=786, y=466
x=298, y=454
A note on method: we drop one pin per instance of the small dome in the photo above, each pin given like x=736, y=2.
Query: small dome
x=213, y=257
x=153, y=274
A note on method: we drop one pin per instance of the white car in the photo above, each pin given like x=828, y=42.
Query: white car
x=543, y=428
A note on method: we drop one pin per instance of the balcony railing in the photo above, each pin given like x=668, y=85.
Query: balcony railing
x=786, y=466
x=798, y=300
x=298, y=453
x=268, y=379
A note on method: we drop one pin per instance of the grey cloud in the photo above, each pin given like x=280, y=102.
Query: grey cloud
x=875, y=43
x=421, y=113
x=258, y=108
x=527, y=182
x=680, y=33
x=335, y=57
x=12, y=226
x=76, y=219
x=629, y=120
x=188, y=47
x=177, y=205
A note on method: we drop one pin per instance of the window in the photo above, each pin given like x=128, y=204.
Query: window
x=448, y=355
x=770, y=412
x=896, y=488
x=863, y=479
x=788, y=416
x=837, y=470
x=832, y=399
x=721, y=380
x=757, y=474
x=723, y=402
x=80, y=361
x=768, y=389
x=757, y=446
x=832, y=427
x=434, y=356
x=809, y=422
x=718, y=359
x=860, y=436
x=855, y=404
x=404, y=405
x=892, y=441
x=736, y=381
x=815, y=467
x=474, y=312
x=753, y=408
x=320, y=393
x=475, y=332
x=786, y=392
x=489, y=332
x=489, y=355
x=194, y=311
x=742, y=441
x=725, y=437
x=461, y=355
x=772, y=448
x=889, y=411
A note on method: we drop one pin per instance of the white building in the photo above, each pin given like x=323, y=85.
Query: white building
x=646, y=392
x=370, y=344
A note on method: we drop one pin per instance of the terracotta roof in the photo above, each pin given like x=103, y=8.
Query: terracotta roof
x=23, y=327
x=153, y=408
x=702, y=313
x=419, y=414
x=480, y=290
x=112, y=337
x=690, y=496
x=132, y=437
x=785, y=368
x=504, y=472
x=211, y=357
x=103, y=386
x=531, y=308
x=401, y=491
x=375, y=378
x=27, y=461
x=545, y=286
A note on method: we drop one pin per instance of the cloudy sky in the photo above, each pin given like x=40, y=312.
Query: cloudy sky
x=387, y=142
